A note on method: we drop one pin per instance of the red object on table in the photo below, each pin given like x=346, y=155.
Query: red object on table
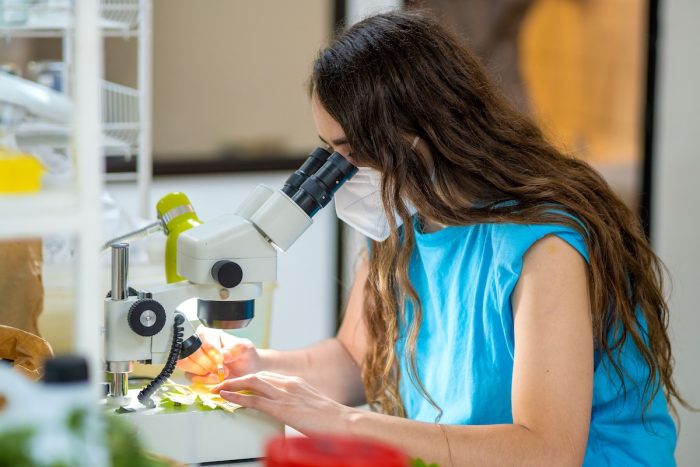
x=336, y=451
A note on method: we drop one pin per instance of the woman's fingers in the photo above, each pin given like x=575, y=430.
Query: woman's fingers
x=212, y=351
x=206, y=359
x=249, y=400
x=210, y=378
x=300, y=406
x=255, y=383
x=231, y=352
x=288, y=383
x=191, y=366
x=272, y=377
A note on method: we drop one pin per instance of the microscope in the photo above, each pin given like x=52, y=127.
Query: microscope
x=223, y=264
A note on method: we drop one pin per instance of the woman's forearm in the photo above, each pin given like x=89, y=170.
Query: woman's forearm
x=326, y=365
x=457, y=445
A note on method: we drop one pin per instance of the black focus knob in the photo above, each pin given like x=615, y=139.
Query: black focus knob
x=146, y=317
x=227, y=273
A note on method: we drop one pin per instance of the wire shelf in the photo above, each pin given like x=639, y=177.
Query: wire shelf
x=120, y=124
x=51, y=18
x=120, y=14
x=120, y=113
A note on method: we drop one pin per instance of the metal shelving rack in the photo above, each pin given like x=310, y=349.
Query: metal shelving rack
x=126, y=112
x=105, y=115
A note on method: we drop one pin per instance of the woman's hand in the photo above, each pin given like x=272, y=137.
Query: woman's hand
x=238, y=356
x=289, y=399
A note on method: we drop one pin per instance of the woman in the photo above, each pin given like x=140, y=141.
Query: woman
x=514, y=314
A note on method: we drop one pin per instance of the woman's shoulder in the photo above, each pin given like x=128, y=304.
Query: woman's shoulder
x=511, y=239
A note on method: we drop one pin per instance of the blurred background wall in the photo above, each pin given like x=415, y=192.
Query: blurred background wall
x=231, y=75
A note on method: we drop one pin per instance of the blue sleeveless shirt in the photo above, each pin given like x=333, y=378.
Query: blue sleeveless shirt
x=464, y=277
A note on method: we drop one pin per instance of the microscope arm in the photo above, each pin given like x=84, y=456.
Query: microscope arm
x=153, y=311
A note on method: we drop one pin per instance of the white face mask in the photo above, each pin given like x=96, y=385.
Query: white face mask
x=358, y=203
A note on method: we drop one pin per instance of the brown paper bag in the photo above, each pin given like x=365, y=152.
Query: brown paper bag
x=25, y=351
x=21, y=286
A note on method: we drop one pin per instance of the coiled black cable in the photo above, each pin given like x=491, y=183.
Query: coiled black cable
x=178, y=331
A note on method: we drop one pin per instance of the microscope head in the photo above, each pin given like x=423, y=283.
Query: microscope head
x=236, y=253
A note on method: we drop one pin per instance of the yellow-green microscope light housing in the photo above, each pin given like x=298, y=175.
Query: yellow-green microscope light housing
x=177, y=214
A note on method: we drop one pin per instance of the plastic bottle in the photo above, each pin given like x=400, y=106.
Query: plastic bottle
x=62, y=414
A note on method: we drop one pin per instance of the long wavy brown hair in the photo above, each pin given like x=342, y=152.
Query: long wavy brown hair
x=396, y=75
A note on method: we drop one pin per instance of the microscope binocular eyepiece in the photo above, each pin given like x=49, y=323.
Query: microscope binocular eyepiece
x=315, y=161
x=318, y=189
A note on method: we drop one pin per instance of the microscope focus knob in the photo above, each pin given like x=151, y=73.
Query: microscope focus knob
x=146, y=317
x=227, y=273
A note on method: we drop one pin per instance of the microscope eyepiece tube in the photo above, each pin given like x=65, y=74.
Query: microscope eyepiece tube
x=317, y=191
x=120, y=271
x=315, y=161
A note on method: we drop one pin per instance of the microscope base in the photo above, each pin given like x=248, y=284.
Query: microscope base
x=194, y=436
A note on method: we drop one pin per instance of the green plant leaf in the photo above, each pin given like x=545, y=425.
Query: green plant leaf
x=76, y=420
